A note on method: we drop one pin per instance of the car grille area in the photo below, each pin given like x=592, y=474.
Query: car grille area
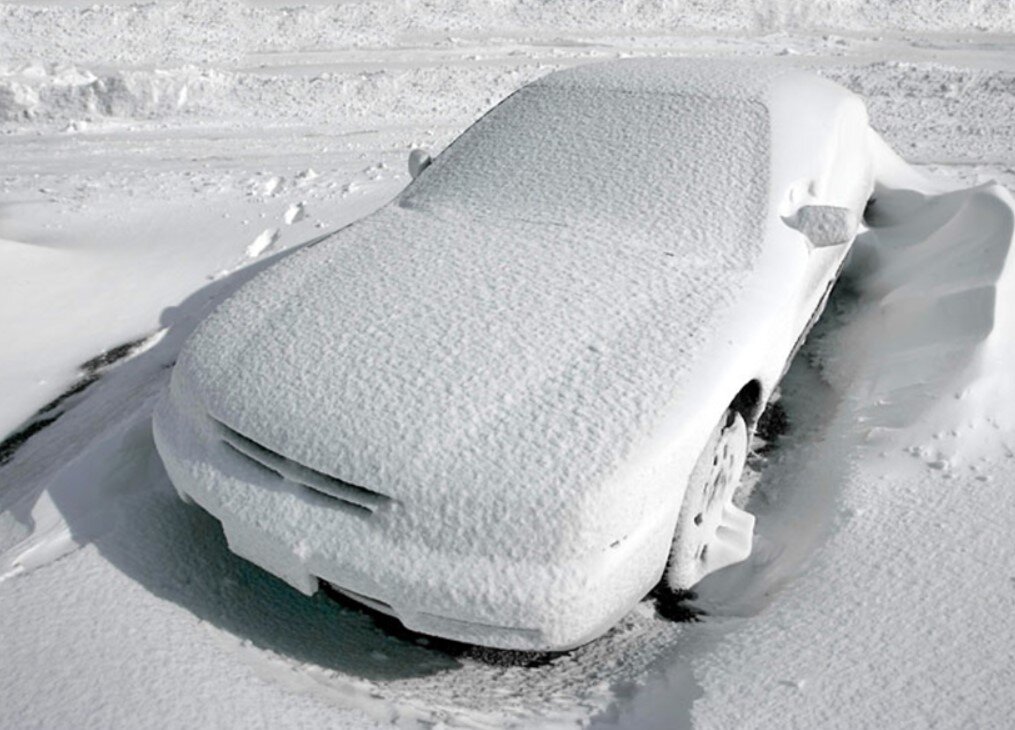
x=341, y=493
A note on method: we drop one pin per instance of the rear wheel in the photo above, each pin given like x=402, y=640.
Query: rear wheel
x=712, y=532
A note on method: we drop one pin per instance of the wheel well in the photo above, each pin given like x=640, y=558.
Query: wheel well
x=748, y=402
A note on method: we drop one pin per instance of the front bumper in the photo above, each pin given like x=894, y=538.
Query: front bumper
x=478, y=599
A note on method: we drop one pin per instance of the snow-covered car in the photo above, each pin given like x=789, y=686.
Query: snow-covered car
x=508, y=404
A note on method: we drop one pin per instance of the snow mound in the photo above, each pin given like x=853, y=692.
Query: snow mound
x=265, y=239
x=41, y=92
x=892, y=522
x=945, y=292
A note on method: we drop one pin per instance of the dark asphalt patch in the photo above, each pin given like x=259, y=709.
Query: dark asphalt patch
x=457, y=650
x=89, y=373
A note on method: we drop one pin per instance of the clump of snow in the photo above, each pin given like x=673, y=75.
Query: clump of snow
x=272, y=185
x=265, y=239
x=294, y=213
x=825, y=225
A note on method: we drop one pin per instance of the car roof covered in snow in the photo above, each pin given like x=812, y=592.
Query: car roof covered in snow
x=728, y=78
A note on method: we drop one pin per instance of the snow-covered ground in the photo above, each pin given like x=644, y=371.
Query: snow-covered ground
x=155, y=156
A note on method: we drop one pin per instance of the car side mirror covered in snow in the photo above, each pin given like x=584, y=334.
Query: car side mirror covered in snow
x=419, y=160
x=825, y=225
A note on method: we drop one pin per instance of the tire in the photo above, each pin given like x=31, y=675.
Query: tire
x=712, y=532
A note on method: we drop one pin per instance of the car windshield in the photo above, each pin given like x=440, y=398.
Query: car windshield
x=665, y=169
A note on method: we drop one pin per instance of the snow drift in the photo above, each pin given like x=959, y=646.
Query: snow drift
x=885, y=548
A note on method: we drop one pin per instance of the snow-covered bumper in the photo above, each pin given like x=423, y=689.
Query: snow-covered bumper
x=371, y=556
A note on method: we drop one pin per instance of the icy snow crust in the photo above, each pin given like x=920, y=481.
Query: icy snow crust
x=526, y=353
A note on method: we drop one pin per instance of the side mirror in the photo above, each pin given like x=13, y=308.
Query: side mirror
x=419, y=160
x=825, y=225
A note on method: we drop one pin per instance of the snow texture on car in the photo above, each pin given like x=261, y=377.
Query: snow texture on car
x=503, y=379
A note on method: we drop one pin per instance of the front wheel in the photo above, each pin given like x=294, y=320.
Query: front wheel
x=712, y=532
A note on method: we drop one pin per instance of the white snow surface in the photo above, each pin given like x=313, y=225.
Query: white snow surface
x=880, y=589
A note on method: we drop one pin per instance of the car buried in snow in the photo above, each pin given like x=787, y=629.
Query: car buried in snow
x=517, y=398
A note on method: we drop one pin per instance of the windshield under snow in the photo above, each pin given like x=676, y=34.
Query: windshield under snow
x=659, y=169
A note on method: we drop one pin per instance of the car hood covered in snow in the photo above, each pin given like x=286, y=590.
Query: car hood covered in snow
x=419, y=356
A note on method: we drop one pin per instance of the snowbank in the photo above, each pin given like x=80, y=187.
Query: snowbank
x=881, y=556
x=881, y=587
x=192, y=31
x=46, y=92
x=60, y=62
